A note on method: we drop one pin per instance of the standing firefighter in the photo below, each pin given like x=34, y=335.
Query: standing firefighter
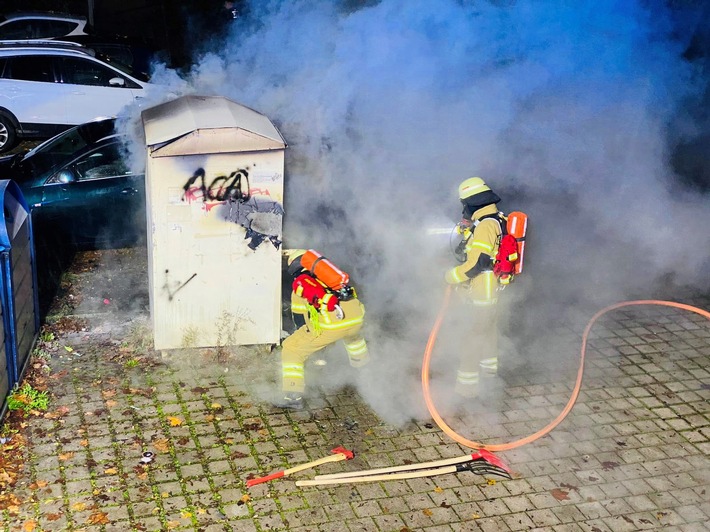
x=481, y=228
x=325, y=309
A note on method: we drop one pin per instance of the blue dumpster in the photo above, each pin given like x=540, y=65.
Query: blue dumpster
x=18, y=289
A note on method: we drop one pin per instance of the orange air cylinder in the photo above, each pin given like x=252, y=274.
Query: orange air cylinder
x=518, y=226
x=324, y=270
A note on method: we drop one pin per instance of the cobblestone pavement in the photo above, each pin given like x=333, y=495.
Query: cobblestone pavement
x=632, y=455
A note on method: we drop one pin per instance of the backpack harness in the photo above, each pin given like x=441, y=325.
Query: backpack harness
x=323, y=285
x=508, y=261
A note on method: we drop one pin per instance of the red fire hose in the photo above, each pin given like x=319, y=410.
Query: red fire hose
x=575, y=392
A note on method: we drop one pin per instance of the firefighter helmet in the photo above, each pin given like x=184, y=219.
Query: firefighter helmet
x=474, y=194
x=293, y=254
x=471, y=187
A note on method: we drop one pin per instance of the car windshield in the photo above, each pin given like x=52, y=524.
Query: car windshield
x=123, y=68
x=60, y=149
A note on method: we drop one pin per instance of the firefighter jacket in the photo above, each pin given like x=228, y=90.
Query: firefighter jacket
x=475, y=275
x=353, y=310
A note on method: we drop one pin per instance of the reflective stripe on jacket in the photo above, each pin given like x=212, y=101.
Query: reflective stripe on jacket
x=481, y=284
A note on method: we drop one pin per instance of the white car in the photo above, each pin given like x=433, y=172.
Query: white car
x=46, y=88
x=40, y=26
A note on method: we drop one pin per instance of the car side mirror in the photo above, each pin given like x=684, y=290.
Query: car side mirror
x=117, y=82
x=65, y=177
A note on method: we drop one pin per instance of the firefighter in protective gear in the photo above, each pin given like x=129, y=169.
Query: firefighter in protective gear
x=319, y=324
x=477, y=285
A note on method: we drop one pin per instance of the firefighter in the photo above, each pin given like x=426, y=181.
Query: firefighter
x=481, y=229
x=324, y=311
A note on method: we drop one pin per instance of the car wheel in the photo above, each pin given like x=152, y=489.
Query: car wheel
x=8, y=134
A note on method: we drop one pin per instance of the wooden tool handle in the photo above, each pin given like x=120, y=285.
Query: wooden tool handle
x=394, y=469
x=332, y=458
x=375, y=478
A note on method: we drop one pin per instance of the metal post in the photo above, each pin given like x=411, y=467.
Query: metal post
x=90, y=13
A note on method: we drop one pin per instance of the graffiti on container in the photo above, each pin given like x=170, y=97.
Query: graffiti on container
x=176, y=286
x=260, y=217
x=234, y=186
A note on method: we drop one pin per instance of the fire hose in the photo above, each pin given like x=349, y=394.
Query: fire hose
x=575, y=392
x=481, y=462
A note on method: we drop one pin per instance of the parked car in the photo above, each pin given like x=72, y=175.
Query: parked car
x=46, y=88
x=77, y=184
x=135, y=54
x=41, y=25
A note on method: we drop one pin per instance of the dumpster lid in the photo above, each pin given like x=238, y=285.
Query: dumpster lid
x=15, y=211
x=207, y=124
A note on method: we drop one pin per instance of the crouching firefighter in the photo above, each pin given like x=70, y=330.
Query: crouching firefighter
x=481, y=228
x=325, y=309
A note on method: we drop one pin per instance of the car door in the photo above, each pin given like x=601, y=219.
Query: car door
x=96, y=89
x=97, y=200
x=31, y=92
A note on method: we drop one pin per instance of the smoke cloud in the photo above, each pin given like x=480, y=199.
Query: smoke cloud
x=564, y=108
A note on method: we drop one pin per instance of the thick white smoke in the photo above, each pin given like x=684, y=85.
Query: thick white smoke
x=563, y=107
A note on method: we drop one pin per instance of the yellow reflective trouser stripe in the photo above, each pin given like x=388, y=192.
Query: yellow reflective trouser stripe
x=489, y=365
x=467, y=377
x=488, y=248
x=331, y=326
x=356, y=348
x=300, y=309
x=293, y=371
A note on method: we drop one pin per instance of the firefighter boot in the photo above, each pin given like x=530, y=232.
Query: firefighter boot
x=290, y=401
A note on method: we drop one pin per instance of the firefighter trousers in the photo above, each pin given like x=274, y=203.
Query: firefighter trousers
x=479, y=352
x=298, y=347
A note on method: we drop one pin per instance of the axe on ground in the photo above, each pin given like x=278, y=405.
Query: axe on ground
x=340, y=453
x=481, y=462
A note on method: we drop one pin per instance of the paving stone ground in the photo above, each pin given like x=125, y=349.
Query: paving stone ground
x=632, y=454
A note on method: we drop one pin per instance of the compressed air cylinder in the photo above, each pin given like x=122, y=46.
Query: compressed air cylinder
x=517, y=227
x=324, y=270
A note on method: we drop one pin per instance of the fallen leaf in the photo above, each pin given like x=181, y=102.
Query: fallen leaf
x=108, y=393
x=186, y=514
x=216, y=406
x=78, y=506
x=98, y=518
x=476, y=515
x=29, y=526
x=53, y=517
x=491, y=482
x=69, y=349
x=84, y=442
x=162, y=445
x=438, y=489
x=111, y=403
x=110, y=471
x=66, y=456
x=174, y=421
x=560, y=495
x=209, y=417
x=173, y=524
x=427, y=512
x=245, y=498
